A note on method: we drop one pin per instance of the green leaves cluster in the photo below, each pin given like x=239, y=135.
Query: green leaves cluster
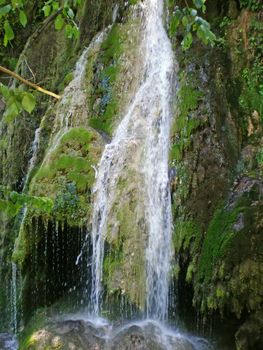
x=16, y=101
x=188, y=21
x=254, y=5
x=11, y=202
x=66, y=17
x=11, y=12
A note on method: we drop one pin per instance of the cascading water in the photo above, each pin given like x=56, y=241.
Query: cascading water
x=15, y=270
x=33, y=159
x=146, y=125
x=14, y=298
x=74, y=97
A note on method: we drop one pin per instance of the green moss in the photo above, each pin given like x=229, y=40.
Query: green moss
x=185, y=232
x=108, y=73
x=21, y=248
x=228, y=273
x=182, y=185
x=185, y=123
x=66, y=174
x=104, y=80
x=219, y=240
x=124, y=260
x=187, y=237
x=26, y=338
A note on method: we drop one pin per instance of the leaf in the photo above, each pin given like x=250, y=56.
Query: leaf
x=9, y=34
x=12, y=110
x=59, y=22
x=17, y=3
x=71, y=31
x=28, y=102
x=175, y=21
x=187, y=42
x=55, y=5
x=4, y=90
x=5, y=10
x=185, y=21
x=68, y=31
x=193, y=12
x=199, y=3
x=47, y=10
x=22, y=18
x=70, y=13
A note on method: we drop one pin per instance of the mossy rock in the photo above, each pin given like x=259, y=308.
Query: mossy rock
x=229, y=274
x=111, y=85
x=124, y=264
x=68, y=172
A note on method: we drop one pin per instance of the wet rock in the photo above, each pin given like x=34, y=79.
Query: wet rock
x=148, y=338
x=7, y=342
x=249, y=335
x=84, y=335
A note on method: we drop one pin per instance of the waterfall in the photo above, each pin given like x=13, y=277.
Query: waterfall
x=158, y=253
x=33, y=159
x=146, y=126
x=14, y=298
x=72, y=109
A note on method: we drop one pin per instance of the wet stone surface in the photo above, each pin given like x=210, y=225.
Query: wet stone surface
x=87, y=335
x=7, y=342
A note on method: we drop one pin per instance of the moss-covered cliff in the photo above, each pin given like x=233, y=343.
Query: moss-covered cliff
x=217, y=173
x=216, y=169
x=70, y=140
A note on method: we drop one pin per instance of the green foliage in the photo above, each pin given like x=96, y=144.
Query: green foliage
x=14, y=14
x=11, y=202
x=251, y=98
x=66, y=17
x=187, y=21
x=11, y=14
x=16, y=101
x=254, y=5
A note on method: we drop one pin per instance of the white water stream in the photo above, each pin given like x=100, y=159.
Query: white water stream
x=146, y=125
x=73, y=102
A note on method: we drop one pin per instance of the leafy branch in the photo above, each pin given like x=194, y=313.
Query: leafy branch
x=26, y=82
x=17, y=100
x=11, y=202
x=188, y=21
x=13, y=13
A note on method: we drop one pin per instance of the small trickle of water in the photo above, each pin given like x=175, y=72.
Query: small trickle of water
x=115, y=13
x=146, y=125
x=33, y=159
x=73, y=102
x=14, y=297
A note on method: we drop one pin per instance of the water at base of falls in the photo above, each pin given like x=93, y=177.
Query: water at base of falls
x=99, y=333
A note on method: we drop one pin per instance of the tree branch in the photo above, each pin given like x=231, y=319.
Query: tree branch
x=26, y=82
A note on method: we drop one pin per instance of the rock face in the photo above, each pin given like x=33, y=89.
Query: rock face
x=81, y=335
x=216, y=171
x=71, y=136
x=217, y=187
